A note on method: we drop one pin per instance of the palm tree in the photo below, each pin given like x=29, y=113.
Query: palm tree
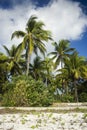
x=33, y=38
x=62, y=50
x=13, y=59
x=75, y=65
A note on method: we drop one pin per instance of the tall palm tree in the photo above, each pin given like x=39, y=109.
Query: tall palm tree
x=33, y=38
x=75, y=65
x=62, y=50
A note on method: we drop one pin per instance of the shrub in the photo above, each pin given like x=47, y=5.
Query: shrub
x=7, y=99
x=67, y=98
x=64, y=98
x=38, y=94
x=20, y=94
x=27, y=92
x=83, y=97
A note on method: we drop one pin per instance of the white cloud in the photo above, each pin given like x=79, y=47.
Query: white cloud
x=63, y=17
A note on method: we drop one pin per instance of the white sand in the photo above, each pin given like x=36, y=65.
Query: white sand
x=44, y=121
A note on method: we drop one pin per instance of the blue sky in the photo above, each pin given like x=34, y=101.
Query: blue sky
x=81, y=44
x=65, y=18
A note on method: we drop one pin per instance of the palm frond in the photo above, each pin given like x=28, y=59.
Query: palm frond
x=7, y=50
x=18, y=52
x=52, y=53
x=31, y=23
x=18, y=34
x=70, y=50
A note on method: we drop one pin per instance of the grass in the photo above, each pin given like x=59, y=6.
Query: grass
x=14, y=111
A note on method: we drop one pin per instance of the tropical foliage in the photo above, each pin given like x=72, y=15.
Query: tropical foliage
x=40, y=80
x=33, y=38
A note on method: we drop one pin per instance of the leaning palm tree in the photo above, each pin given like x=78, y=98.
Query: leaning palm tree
x=33, y=38
x=62, y=50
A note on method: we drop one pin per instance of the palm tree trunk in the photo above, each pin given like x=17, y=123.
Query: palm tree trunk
x=28, y=54
x=61, y=64
x=28, y=62
x=62, y=78
x=76, y=93
x=67, y=89
x=46, y=81
x=35, y=75
x=47, y=77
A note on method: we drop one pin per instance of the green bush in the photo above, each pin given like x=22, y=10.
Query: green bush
x=7, y=99
x=83, y=97
x=64, y=98
x=67, y=98
x=25, y=91
x=8, y=94
x=38, y=94
x=20, y=94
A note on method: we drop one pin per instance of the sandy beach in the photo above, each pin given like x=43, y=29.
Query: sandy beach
x=44, y=121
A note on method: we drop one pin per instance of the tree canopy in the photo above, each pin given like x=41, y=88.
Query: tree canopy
x=40, y=82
